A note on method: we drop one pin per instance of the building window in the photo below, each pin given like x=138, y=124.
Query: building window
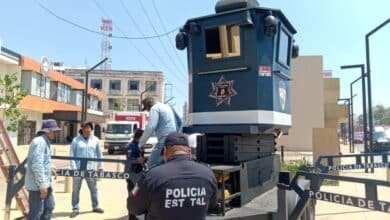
x=97, y=84
x=116, y=104
x=133, y=85
x=133, y=104
x=79, y=98
x=115, y=85
x=151, y=86
x=40, y=86
x=99, y=107
x=93, y=103
x=223, y=41
x=63, y=93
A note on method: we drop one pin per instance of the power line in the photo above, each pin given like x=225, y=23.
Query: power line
x=97, y=32
x=159, y=38
x=120, y=30
x=143, y=34
x=113, y=36
x=164, y=29
x=139, y=29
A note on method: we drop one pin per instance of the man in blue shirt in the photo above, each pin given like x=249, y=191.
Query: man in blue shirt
x=161, y=122
x=134, y=154
x=39, y=171
x=85, y=145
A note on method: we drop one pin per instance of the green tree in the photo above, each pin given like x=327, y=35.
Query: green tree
x=360, y=119
x=10, y=97
x=379, y=114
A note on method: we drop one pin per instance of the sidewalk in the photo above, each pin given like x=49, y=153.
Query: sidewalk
x=112, y=193
x=332, y=211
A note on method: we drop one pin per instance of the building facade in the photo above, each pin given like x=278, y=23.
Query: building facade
x=316, y=114
x=124, y=89
x=50, y=94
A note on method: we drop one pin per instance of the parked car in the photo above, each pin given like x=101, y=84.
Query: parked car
x=358, y=138
x=381, y=142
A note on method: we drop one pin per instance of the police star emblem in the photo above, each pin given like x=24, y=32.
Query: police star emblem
x=222, y=91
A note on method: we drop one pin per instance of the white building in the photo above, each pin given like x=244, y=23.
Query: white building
x=50, y=94
x=123, y=89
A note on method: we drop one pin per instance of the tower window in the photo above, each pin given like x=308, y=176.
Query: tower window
x=223, y=41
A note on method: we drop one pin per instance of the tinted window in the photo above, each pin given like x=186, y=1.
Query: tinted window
x=284, y=48
x=133, y=85
x=96, y=84
x=118, y=129
x=115, y=85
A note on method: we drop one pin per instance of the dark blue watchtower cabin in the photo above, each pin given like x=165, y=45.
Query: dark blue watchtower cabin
x=239, y=69
x=239, y=62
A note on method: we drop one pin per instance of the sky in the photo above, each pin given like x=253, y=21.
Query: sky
x=332, y=28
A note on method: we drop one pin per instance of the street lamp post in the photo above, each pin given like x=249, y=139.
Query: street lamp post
x=348, y=101
x=368, y=72
x=352, y=124
x=362, y=76
x=84, y=103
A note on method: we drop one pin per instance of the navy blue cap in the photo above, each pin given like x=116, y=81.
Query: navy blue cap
x=176, y=138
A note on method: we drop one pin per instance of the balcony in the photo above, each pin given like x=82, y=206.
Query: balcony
x=114, y=92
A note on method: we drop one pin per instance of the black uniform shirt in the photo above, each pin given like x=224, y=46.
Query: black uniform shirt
x=179, y=189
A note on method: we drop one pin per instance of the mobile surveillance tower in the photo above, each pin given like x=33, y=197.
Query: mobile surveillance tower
x=239, y=62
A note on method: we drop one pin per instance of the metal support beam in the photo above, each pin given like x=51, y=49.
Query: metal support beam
x=368, y=72
x=362, y=75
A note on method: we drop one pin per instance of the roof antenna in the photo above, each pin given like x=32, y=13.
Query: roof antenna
x=86, y=63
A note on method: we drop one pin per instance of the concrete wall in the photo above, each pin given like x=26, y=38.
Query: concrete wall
x=325, y=142
x=35, y=116
x=9, y=69
x=307, y=98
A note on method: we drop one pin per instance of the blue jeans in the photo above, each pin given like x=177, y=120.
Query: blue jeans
x=77, y=181
x=155, y=157
x=40, y=209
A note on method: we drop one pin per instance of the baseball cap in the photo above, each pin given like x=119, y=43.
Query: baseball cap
x=176, y=138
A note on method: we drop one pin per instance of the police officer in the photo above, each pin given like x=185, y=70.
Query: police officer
x=134, y=154
x=178, y=189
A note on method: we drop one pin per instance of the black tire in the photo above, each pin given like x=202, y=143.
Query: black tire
x=111, y=151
